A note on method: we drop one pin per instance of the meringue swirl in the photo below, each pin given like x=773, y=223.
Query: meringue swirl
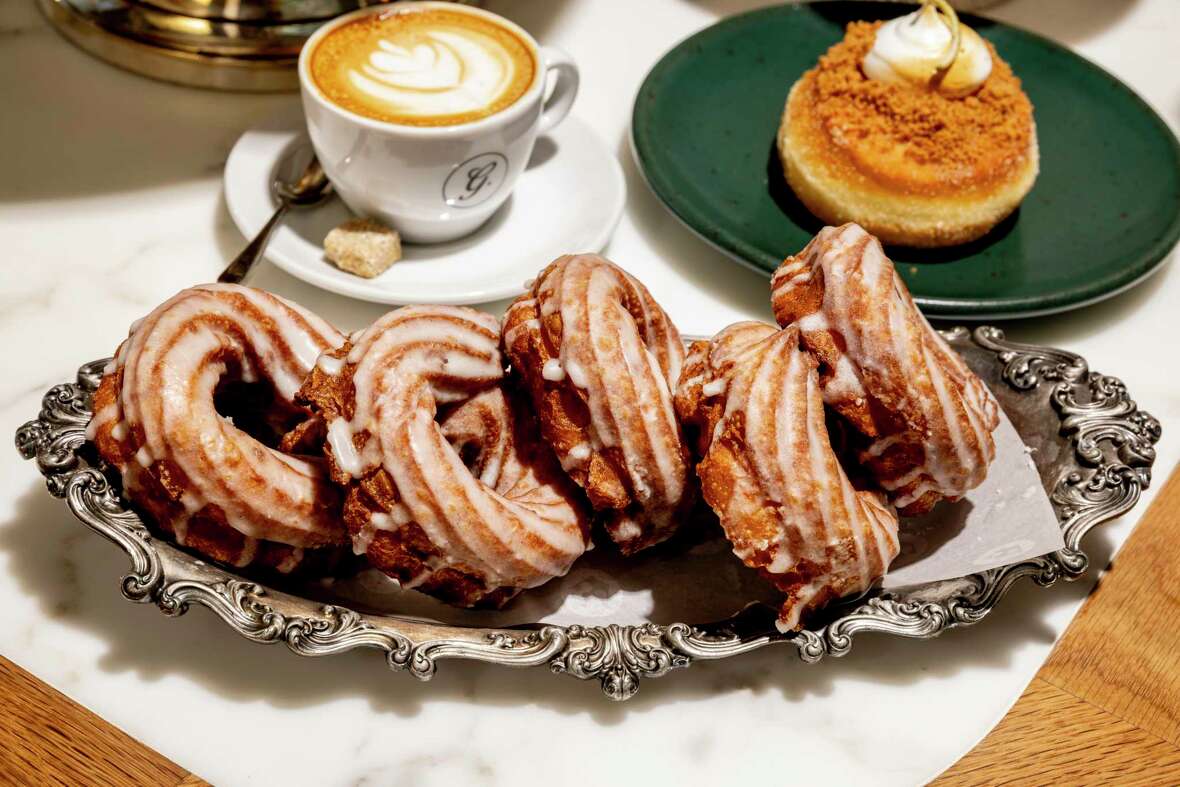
x=926, y=48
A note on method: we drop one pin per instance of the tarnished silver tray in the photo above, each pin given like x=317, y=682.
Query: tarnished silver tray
x=1092, y=446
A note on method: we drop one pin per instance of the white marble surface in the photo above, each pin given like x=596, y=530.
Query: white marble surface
x=110, y=201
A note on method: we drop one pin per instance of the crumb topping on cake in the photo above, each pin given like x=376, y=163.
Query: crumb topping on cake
x=886, y=128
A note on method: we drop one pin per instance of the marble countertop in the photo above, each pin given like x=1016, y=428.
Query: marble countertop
x=111, y=201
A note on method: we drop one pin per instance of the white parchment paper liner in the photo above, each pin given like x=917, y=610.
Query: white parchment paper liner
x=697, y=578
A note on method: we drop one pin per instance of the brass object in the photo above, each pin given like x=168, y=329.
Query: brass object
x=155, y=40
x=269, y=11
x=240, y=45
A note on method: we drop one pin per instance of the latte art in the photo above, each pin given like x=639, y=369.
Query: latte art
x=426, y=68
x=450, y=75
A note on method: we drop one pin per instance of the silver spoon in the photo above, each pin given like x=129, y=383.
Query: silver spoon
x=311, y=188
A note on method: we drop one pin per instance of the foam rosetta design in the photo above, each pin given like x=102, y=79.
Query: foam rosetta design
x=423, y=68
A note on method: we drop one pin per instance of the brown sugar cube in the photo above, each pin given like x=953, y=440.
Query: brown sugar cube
x=363, y=246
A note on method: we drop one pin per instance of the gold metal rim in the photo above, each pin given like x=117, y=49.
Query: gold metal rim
x=260, y=73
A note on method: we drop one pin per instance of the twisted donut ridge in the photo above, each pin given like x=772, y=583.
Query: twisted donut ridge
x=600, y=359
x=770, y=474
x=924, y=419
x=449, y=490
x=204, y=476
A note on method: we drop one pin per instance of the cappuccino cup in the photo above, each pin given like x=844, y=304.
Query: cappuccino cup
x=424, y=114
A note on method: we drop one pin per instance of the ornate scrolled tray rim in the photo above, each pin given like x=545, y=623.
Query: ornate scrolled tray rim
x=1092, y=445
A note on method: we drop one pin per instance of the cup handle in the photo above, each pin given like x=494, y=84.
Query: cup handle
x=565, y=87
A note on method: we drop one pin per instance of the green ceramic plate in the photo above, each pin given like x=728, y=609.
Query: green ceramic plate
x=1104, y=213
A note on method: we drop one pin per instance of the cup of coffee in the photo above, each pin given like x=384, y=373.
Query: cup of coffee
x=423, y=114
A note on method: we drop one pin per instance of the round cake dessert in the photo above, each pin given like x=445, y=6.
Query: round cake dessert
x=913, y=128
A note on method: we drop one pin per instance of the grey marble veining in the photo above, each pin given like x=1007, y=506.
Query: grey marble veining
x=112, y=202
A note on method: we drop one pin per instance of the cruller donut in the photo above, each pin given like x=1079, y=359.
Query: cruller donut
x=218, y=489
x=449, y=488
x=769, y=472
x=600, y=359
x=925, y=419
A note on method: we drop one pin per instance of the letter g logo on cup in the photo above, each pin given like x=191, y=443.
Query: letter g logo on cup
x=424, y=114
x=475, y=181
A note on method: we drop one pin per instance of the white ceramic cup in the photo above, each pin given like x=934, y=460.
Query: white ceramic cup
x=434, y=183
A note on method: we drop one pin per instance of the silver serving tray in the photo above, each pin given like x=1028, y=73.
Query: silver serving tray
x=1092, y=446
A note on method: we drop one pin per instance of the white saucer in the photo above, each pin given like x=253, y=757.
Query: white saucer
x=568, y=200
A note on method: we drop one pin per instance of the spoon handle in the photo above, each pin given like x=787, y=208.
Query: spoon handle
x=236, y=271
